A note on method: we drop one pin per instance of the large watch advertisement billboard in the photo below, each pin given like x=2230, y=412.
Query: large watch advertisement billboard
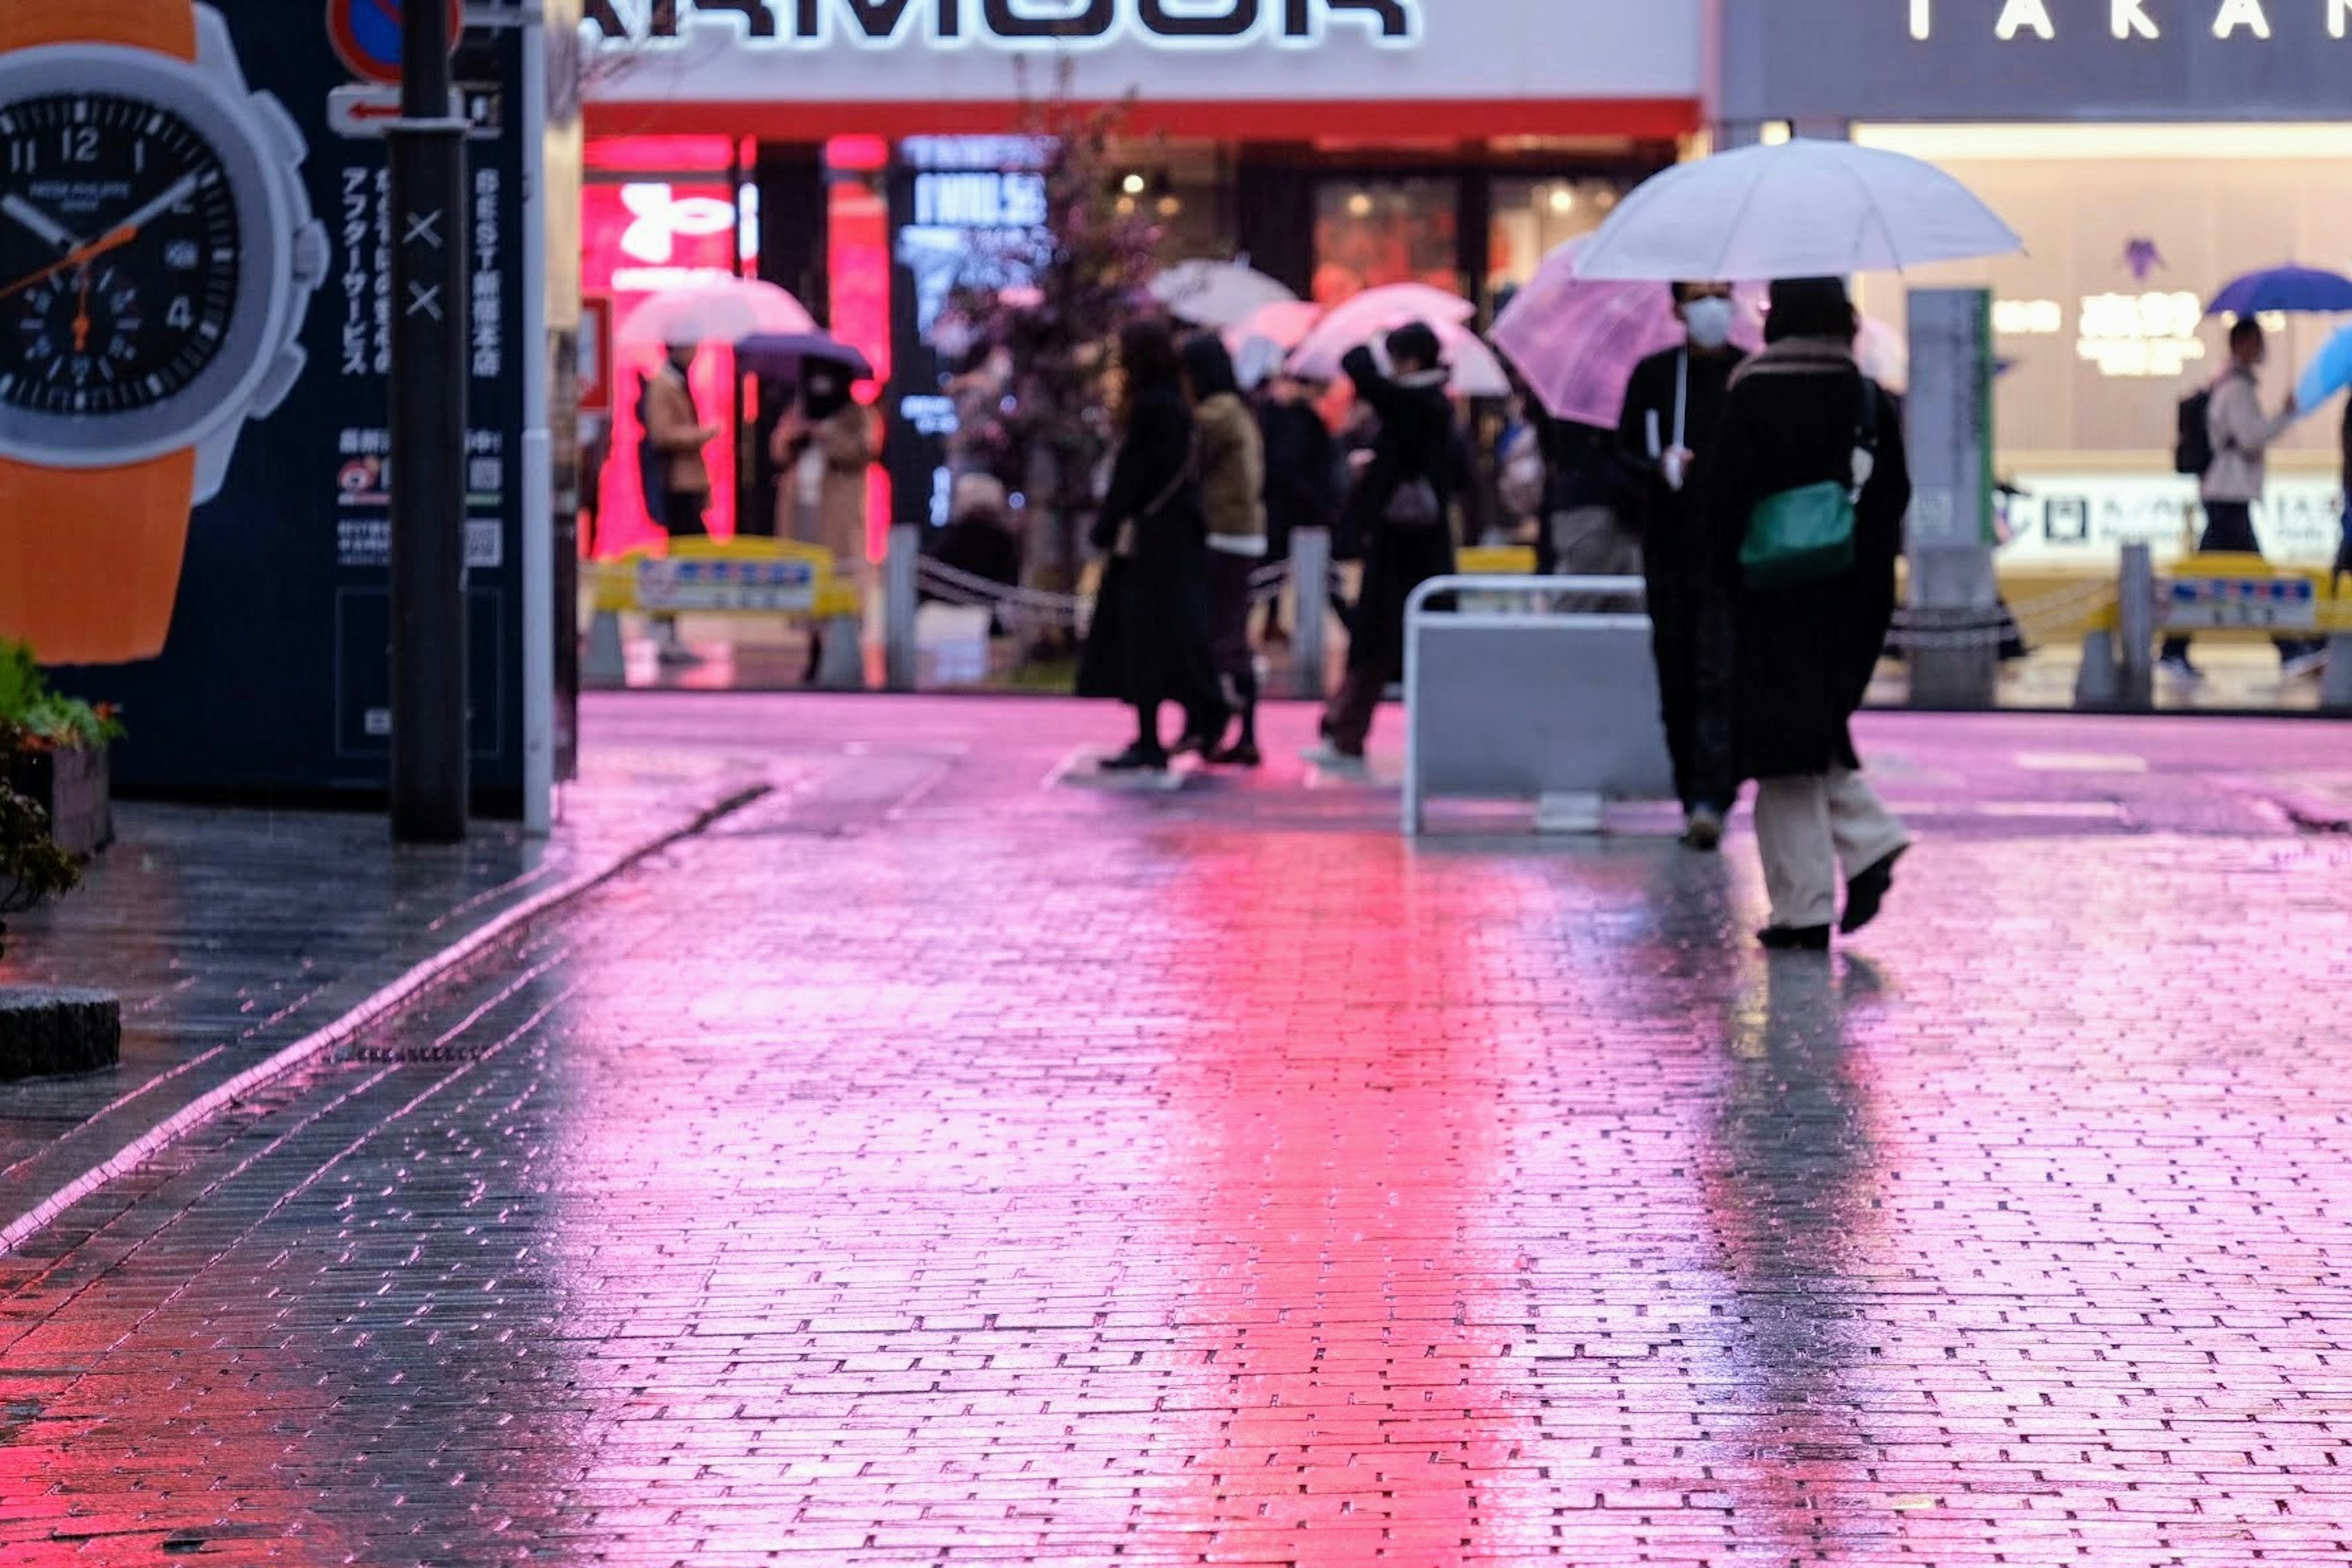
x=195, y=310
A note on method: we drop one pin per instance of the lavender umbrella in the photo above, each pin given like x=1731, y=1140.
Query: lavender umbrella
x=1577, y=340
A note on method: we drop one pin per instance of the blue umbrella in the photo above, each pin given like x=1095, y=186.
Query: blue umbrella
x=780, y=355
x=2327, y=375
x=2300, y=288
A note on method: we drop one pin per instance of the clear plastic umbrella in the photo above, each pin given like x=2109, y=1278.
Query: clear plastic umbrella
x=714, y=310
x=1802, y=209
x=1217, y=293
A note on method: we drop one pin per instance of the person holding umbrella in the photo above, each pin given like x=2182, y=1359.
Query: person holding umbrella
x=1673, y=406
x=1806, y=492
x=1400, y=507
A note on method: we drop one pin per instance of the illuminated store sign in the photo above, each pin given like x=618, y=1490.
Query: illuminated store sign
x=1015, y=24
x=2128, y=19
x=2137, y=336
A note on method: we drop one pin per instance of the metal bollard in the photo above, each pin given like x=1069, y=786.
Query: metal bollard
x=2336, y=689
x=2136, y=629
x=899, y=603
x=1310, y=588
x=606, y=663
x=842, y=668
x=2099, y=686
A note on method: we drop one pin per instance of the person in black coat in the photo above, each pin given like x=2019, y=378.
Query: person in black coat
x=1301, y=474
x=1149, y=644
x=1415, y=447
x=1802, y=413
x=1673, y=406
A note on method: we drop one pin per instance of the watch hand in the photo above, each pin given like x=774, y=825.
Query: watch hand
x=180, y=191
x=39, y=222
x=81, y=316
x=80, y=257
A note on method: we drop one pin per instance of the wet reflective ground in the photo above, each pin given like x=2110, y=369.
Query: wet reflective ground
x=932, y=1165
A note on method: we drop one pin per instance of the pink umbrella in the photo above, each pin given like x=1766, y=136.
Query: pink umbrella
x=1577, y=340
x=1473, y=371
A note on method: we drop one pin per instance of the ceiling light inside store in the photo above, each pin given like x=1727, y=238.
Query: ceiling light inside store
x=1563, y=200
x=1171, y=206
x=1133, y=185
x=1361, y=204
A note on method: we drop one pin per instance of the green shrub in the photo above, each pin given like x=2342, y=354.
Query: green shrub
x=46, y=718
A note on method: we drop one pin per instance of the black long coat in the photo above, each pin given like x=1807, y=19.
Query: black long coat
x=1804, y=656
x=1416, y=441
x=1149, y=640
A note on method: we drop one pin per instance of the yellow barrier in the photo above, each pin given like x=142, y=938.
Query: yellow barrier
x=2243, y=598
x=736, y=576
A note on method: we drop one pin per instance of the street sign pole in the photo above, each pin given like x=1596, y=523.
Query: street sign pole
x=429, y=367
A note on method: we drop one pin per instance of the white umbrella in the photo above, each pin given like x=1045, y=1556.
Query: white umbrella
x=1473, y=369
x=1216, y=293
x=719, y=310
x=1803, y=209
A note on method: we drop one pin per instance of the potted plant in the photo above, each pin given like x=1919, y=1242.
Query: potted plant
x=53, y=751
x=33, y=866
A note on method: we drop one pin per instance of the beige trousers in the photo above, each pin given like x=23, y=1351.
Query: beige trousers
x=1807, y=828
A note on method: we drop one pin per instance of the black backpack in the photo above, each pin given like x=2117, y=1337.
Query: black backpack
x=2192, y=451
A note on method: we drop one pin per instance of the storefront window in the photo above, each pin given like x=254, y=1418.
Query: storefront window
x=1533, y=217
x=1373, y=232
x=1186, y=188
x=656, y=214
x=2100, y=326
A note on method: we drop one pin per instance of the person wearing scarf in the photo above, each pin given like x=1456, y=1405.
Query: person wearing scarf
x=1804, y=655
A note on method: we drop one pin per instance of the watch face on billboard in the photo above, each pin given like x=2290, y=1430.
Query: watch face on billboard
x=119, y=254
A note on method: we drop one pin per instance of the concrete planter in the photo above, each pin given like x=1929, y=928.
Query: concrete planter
x=73, y=788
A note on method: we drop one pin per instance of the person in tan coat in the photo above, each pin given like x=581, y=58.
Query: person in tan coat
x=825, y=449
x=1230, y=455
x=674, y=430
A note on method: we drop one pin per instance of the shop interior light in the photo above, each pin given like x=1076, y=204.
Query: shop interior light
x=1361, y=204
x=1171, y=206
x=1563, y=200
x=1134, y=184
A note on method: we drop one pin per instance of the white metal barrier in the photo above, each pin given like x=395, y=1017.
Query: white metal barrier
x=1516, y=690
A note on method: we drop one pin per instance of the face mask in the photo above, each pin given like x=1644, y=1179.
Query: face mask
x=1709, y=320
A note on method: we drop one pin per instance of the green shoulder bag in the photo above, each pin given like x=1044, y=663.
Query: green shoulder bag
x=1807, y=534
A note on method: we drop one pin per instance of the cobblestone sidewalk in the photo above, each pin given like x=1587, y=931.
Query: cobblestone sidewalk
x=927, y=1165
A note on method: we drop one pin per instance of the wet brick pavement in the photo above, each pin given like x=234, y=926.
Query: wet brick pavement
x=230, y=935
x=930, y=1165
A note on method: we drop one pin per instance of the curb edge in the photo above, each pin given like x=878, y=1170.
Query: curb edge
x=374, y=1010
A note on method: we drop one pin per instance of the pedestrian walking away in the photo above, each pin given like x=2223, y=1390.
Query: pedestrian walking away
x=1806, y=493
x=677, y=435
x=1400, y=508
x=1673, y=407
x=1149, y=644
x=1233, y=503
x=2232, y=468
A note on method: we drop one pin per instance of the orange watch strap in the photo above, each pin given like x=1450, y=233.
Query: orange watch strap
x=89, y=558
x=167, y=27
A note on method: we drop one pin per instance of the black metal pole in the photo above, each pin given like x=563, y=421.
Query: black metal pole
x=429, y=761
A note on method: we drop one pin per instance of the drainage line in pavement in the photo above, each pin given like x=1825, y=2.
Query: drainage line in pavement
x=393, y=999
